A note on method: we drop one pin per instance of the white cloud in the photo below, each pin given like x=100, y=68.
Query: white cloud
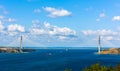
x=99, y=32
x=102, y=15
x=3, y=10
x=10, y=20
x=1, y=22
x=57, y=12
x=12, y=33
x=89, y=8
x=116, y=18
x=55, y=31
x=1, y=17
x=97, y=19
x=106, y=35
x=1, y=27
x=37, y=31
x=47, y=25
x=62, y=31
x=108, y=38
x=16, y=27
x=35, y=22
x=62, y=37
x=37, y=11
x=11, y=29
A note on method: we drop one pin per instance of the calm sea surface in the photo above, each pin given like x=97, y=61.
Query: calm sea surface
x=54, y=60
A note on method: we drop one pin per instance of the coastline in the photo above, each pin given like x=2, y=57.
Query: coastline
x=14, y=50
x=111, y=51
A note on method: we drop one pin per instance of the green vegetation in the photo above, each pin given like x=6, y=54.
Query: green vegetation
x=68, y=69
x=118, y=67
x=98, y=67
x=119, y=50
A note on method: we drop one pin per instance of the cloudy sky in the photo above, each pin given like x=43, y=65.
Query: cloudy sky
x=60, y=23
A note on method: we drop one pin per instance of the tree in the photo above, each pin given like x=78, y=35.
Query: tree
x=118, y=67
x=68, y=69
x=98, y=67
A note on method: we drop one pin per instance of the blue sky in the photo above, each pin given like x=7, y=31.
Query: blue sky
x=60, y=23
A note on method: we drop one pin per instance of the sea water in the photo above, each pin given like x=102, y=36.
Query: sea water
x=55, y=60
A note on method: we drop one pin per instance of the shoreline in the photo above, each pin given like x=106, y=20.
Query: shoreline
x=111, y=51
x=14, y=50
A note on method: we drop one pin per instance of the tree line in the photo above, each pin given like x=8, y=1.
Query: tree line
x=99, y=67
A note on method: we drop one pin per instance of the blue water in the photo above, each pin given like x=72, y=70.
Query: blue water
x=54, y=60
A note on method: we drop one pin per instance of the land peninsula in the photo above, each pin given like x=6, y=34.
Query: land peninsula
x=107, y=51
x=111, y=51
x=14, y=50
